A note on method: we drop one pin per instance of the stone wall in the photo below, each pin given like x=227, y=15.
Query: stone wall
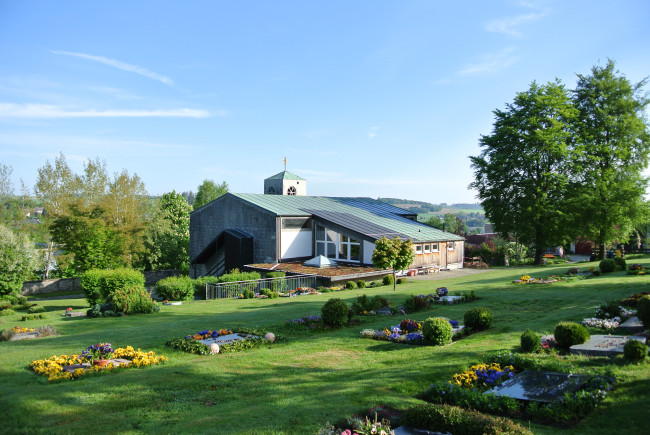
x=74, y=284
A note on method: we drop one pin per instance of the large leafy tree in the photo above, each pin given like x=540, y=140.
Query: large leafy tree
x=88, y=242
x=168, y=235
x=209, y=191
x=522, y=173
x=395, y=254
x=612, y=138
x=18, y=258
x=108, y=214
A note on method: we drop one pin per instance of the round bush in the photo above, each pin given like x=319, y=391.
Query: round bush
x=335, y=313
x=350, y=285
x=530, y=341
x=36, y=309
x=401, y=281
x=607, y=265
x=635, y=351
x=175, y=288
x=361, y=284
x=620, y=263
x=569, y=333
x=643, y=311
x=387, y=280
x=478, y=318
x=131, y=300
x=437, y=331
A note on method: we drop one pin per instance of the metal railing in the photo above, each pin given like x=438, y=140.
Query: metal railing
x=282, y=284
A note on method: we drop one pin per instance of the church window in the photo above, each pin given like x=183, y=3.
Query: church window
x=303, y=224
x=291, y=190
x=337, y=246
x=270, y=190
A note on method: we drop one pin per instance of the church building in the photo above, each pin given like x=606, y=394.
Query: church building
x=285, y=225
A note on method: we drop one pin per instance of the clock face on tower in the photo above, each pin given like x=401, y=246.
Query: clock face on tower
x=291, y=190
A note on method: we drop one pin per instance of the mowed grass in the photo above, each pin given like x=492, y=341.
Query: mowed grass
x=299, y=384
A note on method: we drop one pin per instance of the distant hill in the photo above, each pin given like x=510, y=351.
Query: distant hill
x=412, y=206
x=422, y=207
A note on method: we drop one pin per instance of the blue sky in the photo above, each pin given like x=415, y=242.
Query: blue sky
x=364, y=98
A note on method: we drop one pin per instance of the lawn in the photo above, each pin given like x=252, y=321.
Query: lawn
x=299, y=384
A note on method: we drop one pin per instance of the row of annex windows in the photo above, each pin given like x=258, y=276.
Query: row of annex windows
x=336, y=246
x=428, y=248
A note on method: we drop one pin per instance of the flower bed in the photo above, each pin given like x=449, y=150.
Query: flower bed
x=635, y=269
x=468, y=389
x=18, y=333
x=572, y=274
x=595, y=322
x=247, y=338
x=407, y=332
x=53, y=367
x=609, y=316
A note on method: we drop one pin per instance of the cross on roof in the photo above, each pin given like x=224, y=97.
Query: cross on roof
x=285, y=163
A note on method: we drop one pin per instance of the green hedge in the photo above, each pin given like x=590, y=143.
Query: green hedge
x=99, y=284
x=456, y=420
x=176, y=288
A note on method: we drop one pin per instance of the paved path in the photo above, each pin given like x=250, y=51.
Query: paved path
x=447, y=274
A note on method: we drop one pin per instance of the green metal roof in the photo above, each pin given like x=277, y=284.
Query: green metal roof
x=285, y=175
x=363, y=215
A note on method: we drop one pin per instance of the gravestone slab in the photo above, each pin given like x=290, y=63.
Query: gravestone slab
x=384, y=310
x=23, y=336
x=225, y=339
x=457, y=329
x=118, y=361
x=539, y=386
x=449, y=299
x=75, y=314
x=73, y=367
x=633, y=324
x=604, y=345
x=172, y=303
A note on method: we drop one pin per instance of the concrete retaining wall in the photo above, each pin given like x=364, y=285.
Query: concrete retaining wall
x=74, y=284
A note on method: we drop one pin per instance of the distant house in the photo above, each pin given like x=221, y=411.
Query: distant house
x=286, y=225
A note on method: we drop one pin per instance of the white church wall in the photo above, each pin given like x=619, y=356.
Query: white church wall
x=295, y=244
x=368, y=249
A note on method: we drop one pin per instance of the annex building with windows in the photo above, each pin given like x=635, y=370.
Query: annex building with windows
x=284, y=225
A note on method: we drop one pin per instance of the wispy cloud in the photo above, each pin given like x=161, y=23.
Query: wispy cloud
x=9, y=110
x=372, y=132
x=119, y=65
x=510, y=25
x=492, y=62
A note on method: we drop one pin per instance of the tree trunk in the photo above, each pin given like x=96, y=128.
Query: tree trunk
x=394, y=280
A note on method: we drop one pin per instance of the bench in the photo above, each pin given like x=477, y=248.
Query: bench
x=549, y=256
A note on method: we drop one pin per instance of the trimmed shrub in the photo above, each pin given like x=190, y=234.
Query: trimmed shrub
x=569, y=333
x=452, y=419
x=335, y=313
x=635, y=351
x=248, y=294
x=530, y=341
x=7, y=312
x=350, y=285
x=401, y=281
x=98, y=284
x=131, y=300
x=361, y=284
x=478, y=318
x=387, y=280
x=235, y=275
x=364, y=303
x=607, y=265
x=437, y=331
x=36, y=309
x=643, y=311
x=277, y=274
x=175, y=288
x=620, y=263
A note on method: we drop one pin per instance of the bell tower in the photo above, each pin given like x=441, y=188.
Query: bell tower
x=285, y=183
